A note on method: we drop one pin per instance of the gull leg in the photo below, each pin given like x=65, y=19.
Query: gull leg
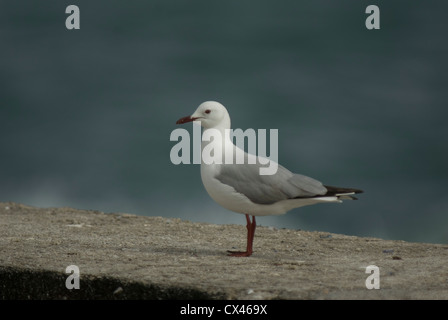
x=250, y=239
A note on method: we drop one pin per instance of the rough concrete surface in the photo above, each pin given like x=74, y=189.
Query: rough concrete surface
x=125, y=256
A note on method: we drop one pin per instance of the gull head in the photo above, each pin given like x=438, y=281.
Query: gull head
x=211, y=114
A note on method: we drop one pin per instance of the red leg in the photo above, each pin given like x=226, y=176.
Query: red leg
x=250, y=239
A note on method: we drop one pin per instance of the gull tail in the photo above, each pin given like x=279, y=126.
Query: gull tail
x=342, y=193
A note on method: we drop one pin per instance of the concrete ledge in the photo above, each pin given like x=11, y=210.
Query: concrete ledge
x=124, y=256
x=26, y=284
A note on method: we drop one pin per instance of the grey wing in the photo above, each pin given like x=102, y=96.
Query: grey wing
x=267, y=189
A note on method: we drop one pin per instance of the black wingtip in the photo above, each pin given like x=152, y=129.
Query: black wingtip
x=337, y=190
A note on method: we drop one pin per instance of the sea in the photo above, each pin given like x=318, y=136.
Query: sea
x=86, y=114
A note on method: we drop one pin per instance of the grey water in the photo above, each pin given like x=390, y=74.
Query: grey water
x=86, y=115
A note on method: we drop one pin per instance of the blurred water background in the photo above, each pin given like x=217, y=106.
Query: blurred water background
x=86, y=115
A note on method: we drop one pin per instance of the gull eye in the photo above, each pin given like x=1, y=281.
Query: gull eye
x=208, y=111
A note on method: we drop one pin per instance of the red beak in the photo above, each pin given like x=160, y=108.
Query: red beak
x=185, y=120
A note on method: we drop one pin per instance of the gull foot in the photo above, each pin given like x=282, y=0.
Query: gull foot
x=239, y=253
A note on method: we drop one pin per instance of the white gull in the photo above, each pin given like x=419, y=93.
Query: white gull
x=241, y=188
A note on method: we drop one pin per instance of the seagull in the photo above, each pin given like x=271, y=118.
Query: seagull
x=242, y=189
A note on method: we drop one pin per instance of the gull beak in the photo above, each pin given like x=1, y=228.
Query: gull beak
x=186, y=119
